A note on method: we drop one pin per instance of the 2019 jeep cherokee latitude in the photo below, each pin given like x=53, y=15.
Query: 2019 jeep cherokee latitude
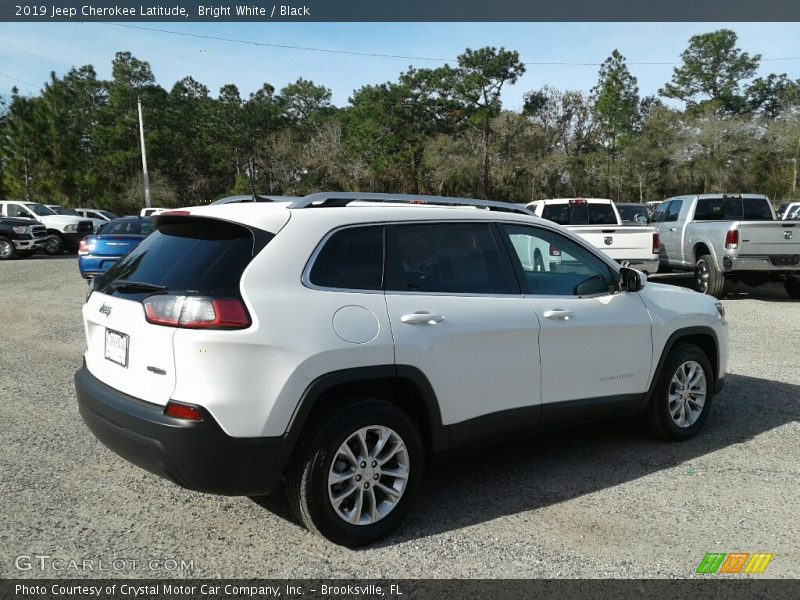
x=341, y=340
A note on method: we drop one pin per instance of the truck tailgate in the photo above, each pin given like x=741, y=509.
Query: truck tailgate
x=620, y=243
x=768, y=238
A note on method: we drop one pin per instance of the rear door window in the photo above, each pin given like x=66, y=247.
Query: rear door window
x=449, y=258
x=351, y=259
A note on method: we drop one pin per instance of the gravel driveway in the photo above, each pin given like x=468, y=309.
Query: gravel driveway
x=599, y=501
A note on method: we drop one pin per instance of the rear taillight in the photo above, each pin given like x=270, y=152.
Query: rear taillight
x=83, y=247
x=554, y=251
x=196, y=312
x=183, y=411
x=732, y=240
x=656, y=243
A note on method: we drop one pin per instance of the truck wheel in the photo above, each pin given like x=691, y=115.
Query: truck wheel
x=792, y=285
x=707, y=278
x=356, y=475
x=54, y=244
x=7, y=250
x=683, y=393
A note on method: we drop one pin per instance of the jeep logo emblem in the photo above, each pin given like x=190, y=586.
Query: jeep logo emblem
x=787, y=235
x=105, y=309
x=608, y=240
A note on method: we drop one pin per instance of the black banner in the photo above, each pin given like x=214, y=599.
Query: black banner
x=399, y=10
x=711, y=588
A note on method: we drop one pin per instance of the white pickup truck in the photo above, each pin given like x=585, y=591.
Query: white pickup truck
x=64, y=232
x=597, y=221
x=723, y=236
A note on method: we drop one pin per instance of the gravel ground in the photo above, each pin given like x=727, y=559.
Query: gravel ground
x=600, y=501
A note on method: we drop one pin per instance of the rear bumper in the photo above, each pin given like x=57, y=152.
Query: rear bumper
x=92, y=266
x=197, y=455
x=756, y=263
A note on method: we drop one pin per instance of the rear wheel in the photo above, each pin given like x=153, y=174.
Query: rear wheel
x=792, y=285
x=357, y=474
x=54, y=244
x=7, y=250
x=683, y=393
x=708, y=279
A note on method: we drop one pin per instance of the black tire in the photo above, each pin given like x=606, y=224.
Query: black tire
x=7, y=250
x=792, y=285
x=714, y=283
x=538, y=262
x=307, y=476
x=54, y=244
x=659, y=416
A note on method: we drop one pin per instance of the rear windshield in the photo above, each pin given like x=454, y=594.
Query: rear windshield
x=733, y=209
x=144, y=227
x=197, y=255
x=580, y=214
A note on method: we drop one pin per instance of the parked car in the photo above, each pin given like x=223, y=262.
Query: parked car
x=96, y=213
x=728, y=236
x=254, y=198
x=781, y=209
x=60, y=210
x=98, y=253
x=633, y=214
x=343, y=345
x=149, y=212
x=792, y=212
x=20, y=237
x=598, y=222
x=64, y=232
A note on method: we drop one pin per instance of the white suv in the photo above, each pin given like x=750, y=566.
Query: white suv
x=343, y=339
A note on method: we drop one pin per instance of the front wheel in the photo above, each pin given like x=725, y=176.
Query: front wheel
x=683, y=393
x=358, y=473
x=54, y=245
x=7, y=250
x=708, y=279
x=792, y=285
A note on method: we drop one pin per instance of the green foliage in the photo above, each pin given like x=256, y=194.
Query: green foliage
x=712, y=73
x=435, y=130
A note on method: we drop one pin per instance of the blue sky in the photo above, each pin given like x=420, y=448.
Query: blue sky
x=29, y=51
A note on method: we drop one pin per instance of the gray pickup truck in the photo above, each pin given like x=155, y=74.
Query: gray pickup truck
x=725, y=236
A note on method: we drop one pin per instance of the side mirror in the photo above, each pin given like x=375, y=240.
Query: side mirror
x=631, y=280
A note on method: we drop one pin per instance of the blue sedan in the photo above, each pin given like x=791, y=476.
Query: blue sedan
x=97, y=253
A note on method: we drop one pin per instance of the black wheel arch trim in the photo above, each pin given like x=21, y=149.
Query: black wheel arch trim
x=675, y=338
x=439, y=437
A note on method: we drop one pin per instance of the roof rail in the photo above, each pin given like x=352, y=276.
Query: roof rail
x=332, y=199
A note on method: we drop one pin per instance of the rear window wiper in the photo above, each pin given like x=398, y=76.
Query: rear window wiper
x=125, y=285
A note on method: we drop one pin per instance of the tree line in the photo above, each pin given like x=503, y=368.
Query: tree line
x=439, y=131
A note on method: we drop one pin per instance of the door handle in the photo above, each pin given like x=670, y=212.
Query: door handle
x=559, y=314
x=673, y=229
x=421, y=318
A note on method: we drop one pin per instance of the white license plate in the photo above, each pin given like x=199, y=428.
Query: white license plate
x=117, y=347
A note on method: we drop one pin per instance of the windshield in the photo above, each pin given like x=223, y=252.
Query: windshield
x=108, y=214
x=39, y=209
x=60, y=210
x=629, y=212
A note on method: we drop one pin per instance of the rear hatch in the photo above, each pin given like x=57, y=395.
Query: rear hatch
x=186, y=274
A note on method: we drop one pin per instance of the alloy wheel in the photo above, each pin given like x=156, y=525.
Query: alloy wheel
x=687, y=393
